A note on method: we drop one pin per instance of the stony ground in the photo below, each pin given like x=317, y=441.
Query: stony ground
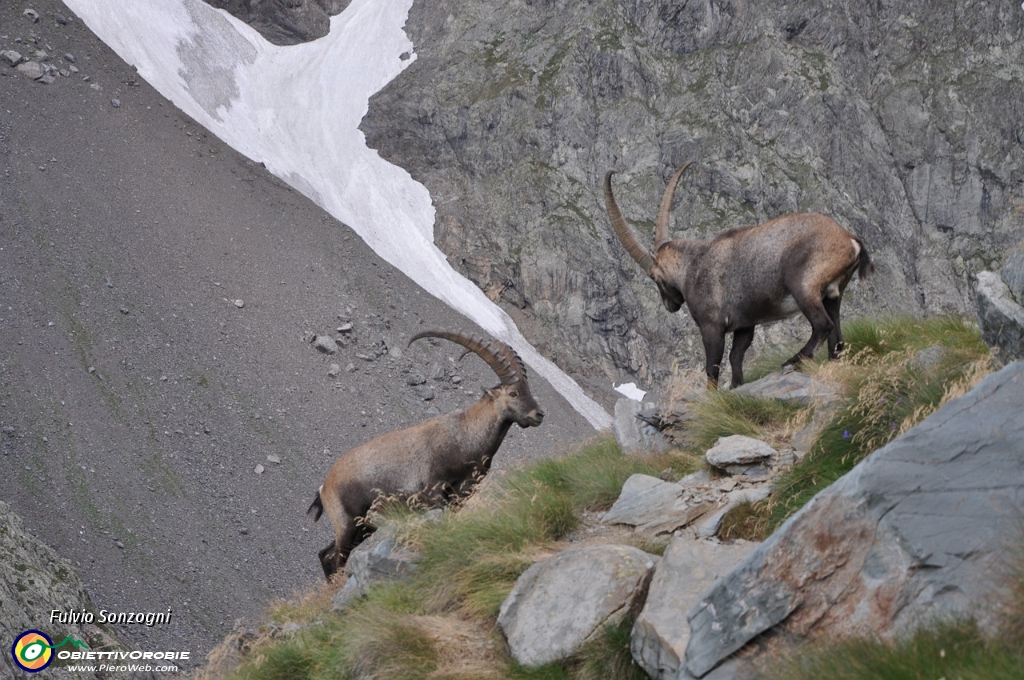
x=157, y=295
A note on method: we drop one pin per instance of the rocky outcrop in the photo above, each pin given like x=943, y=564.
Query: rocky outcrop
x=285, y=22
x=1000, y=303
x=900, y=121
x=1001, y=318
x=377, y=560
x=34, y=581
x=915, y=531
x=561, y=602
x=634, y=428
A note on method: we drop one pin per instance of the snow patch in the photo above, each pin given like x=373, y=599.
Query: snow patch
x=630, y=390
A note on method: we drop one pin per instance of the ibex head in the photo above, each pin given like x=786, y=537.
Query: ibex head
x=512, y=395
x=671, y=296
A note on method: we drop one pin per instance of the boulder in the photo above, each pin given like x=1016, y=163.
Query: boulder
x=914, y=532
x=633, y=429
x=736, y=454
x=789, y=385
x=1001, y=318
x=686, y=571
x=32, y=69
x=376, y=560
x=653, y=505
x=563, y=601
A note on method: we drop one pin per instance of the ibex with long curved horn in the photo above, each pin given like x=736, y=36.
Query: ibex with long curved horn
x=749, y=276
x=436, y=462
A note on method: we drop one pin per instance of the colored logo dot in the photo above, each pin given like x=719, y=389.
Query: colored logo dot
x=32, y=651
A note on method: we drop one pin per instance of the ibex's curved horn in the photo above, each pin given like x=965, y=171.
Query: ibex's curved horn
x=661, y=224
x=625, y=233
x=502, y=359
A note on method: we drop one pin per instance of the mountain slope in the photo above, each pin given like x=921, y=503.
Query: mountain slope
x=137, y=399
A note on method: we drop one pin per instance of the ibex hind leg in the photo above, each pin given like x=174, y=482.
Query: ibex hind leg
x=835, y=338
x=741, y=339
x=347, y=534
x=821, y=327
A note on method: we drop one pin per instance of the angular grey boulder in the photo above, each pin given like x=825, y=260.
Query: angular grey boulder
x=655, y=506
x=687, y=569
x=1001, y=318
x=377, y=560
x=634, y=435
x=915, y=531
x=561, y=602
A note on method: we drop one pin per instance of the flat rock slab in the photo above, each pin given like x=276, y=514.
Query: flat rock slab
x=654, y=506
x=1001, y=318
x=686, y=571
x=915, y=531
x=739, y=450
x=789, y=385
x=561, y=602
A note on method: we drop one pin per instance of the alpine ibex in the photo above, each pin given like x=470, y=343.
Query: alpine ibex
x=435, y=462
x=749, y=276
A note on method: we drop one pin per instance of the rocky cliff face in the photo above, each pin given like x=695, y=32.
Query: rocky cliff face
x=901, y=120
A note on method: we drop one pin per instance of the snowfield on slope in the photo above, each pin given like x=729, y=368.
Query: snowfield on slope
x=297, y=110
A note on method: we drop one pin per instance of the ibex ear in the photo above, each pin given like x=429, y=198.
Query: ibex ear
x=493, y=394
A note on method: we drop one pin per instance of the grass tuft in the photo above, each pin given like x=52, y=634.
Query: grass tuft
x=948, y=650
x=721, y=414
x=607, y=656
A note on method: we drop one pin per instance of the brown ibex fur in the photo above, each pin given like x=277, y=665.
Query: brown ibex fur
x=749, y=276
x=435, y=462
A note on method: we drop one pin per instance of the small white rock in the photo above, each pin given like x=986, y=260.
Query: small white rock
x=259, y=469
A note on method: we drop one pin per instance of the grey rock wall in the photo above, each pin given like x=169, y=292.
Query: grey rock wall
x=901, y=120
x=285, y=22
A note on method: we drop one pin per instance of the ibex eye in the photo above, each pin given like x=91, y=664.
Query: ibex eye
x=513, y=394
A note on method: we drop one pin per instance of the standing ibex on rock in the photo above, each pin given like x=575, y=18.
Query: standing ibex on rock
x=435, y=462
x=749, y=276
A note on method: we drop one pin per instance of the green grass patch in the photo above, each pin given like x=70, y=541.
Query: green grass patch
x=607, y=656
x=950, y=650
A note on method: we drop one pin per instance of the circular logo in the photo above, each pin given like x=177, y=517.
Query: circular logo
x=32, y=651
